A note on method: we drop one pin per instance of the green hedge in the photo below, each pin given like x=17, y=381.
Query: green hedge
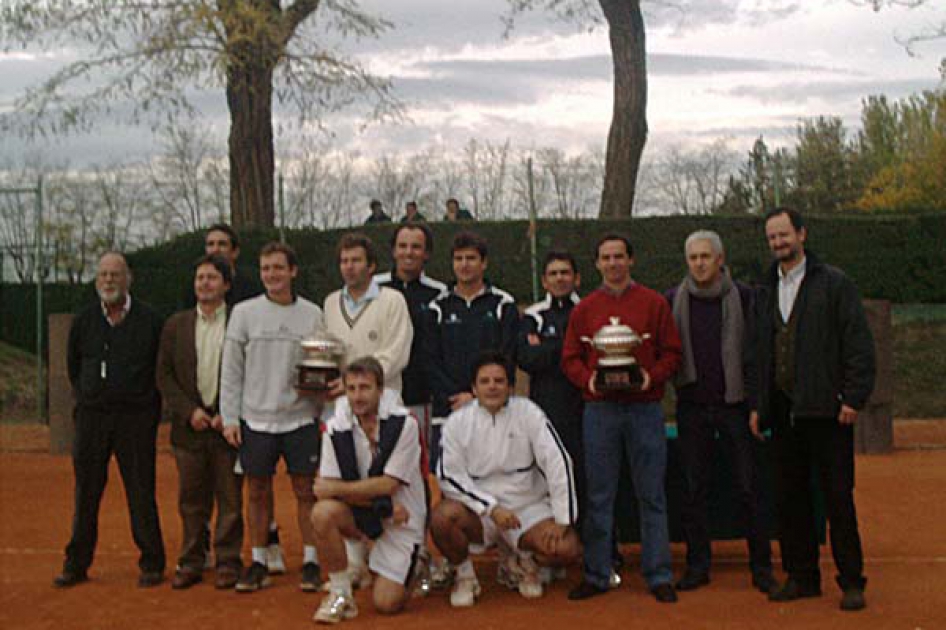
x=899, y=258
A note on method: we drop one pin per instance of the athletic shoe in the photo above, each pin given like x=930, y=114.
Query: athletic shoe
x=274, y=556
x=419, y=583
x=465, y=591
x=508, y=572
x=311, y=578
x=441, y=573
x=585, y=590
x=360, y=578
x=336, y=607
x=530, y=585
x=253, y=579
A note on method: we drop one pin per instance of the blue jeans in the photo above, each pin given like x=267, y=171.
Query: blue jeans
x=634, y=430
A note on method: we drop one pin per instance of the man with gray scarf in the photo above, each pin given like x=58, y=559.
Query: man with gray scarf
x=713, y=315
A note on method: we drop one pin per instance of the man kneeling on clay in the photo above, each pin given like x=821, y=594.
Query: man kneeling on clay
x=508, y=480
x=369, y=486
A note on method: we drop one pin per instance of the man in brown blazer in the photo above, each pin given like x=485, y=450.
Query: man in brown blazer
x=188, y=376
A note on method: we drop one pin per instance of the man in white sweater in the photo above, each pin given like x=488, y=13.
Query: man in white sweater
x=263, y=413
x=506, y=479
x=371, y=321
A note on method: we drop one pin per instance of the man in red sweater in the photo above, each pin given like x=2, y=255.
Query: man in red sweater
x=624, y=423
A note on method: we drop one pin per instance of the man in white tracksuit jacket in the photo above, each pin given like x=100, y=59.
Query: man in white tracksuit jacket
x=506, y=479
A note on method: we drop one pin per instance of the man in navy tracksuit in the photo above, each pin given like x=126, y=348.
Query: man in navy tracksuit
x=411, y=246
x=539, y=352
x=474, y=316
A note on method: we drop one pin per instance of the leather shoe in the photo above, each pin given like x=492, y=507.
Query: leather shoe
x=792, y=590
x=147, y=579
x=226, y=578
x=185, y=578
x=69, y=578
x=585, y=590
x=764, y=582
x=853, y=599
x=664, y=593
x=692, y=580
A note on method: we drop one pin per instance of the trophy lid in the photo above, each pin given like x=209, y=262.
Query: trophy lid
x=616, y=333
x=323, y=342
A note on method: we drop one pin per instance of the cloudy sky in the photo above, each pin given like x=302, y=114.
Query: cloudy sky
x=721, y=68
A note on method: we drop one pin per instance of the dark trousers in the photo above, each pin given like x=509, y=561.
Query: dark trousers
x=131, y=436
x=698, y=426
x=205, y=476
x=801, y=444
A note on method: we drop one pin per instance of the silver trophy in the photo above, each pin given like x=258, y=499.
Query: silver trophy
x=618, y=369
x=321, y=361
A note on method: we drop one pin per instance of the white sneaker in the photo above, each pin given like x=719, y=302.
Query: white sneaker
x=465, y=591
x=360, y=578
x=441, y=573
x=508, y=572
x=419, y=584
x=530, y=585
x=335, y=607
x=274, y=559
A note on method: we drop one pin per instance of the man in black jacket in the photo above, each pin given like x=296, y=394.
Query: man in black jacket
x=816, y=370
x=539, y=352
x=411, y=246
x=474, y=316
x=113, y=346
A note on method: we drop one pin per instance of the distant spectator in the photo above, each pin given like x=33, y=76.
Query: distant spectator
x=456, y=213
x=377, y=213
x=411, y=213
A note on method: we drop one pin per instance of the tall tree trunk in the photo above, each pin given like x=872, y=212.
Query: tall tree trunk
x=252, y=161
x=629, y=121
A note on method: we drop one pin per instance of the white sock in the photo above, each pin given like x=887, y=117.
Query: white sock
x=259, y=555
x=465, y=569
x=340, y=582
x=356, y=552
x=309, y=554
x=273, y=526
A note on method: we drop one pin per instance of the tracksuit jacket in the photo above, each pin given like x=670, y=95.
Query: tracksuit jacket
x=458, y=331
x=513, y=459
x=418, y=294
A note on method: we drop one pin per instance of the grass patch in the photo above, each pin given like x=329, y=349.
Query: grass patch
x=18, y=389
x=919, y=352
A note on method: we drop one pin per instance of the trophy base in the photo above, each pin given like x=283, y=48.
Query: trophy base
x=619, y=378
x=316, y=379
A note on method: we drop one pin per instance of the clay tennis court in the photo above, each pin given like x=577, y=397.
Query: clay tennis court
x=901, y=500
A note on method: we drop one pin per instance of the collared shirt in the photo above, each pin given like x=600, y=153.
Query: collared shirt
x=604, y=287
x=354, y=306
x=208, y=341
x=788, y=285
x=124, y=312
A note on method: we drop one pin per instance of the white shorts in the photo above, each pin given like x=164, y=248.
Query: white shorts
x=529, y=517
x=394, y=555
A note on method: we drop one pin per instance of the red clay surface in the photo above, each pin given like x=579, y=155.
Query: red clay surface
x=900, y=501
